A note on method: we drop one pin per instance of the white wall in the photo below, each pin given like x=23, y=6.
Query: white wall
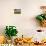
x=25, y=22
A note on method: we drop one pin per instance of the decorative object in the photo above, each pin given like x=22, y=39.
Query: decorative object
x=10, y=31
x=23, y=40
x=17, y=11
x=2, y=40
x=42, y=17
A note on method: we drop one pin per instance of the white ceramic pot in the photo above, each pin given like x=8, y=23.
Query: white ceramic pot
x=13, y=38
x=9, y=41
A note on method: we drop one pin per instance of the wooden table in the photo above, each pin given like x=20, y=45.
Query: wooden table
x=25, y=44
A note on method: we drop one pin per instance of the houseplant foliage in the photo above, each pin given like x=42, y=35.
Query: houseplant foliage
x=11, y=31
x=42, y=19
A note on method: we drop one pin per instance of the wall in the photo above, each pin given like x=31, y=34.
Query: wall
x=25, y=22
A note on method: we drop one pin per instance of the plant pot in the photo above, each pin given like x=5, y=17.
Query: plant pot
x=9, y=41
x=43, y=23
x=13, y=38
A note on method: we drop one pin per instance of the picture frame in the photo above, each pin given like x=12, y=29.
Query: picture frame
x=17, y=11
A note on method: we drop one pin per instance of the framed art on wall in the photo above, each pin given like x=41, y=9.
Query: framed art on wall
x=17, y=11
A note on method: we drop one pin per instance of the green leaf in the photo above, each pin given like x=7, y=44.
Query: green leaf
x=10, y=31
x=40, y=18
x=45, y=16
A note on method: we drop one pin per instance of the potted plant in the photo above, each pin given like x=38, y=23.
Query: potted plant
x=10, y=31
x=42, y=17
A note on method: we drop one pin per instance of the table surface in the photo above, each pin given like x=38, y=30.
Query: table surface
x=31, y=45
